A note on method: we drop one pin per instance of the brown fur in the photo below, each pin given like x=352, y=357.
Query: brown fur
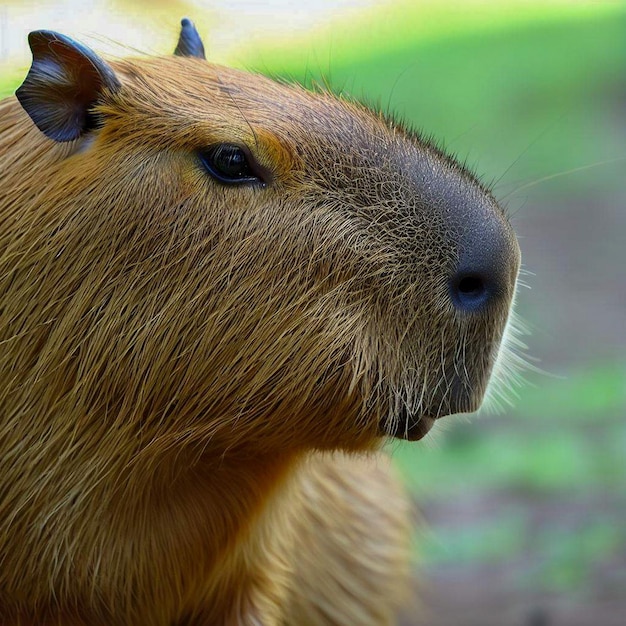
x=176, y=356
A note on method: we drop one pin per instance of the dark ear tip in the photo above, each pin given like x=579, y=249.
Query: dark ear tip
x=189, y=41
x=38, y=37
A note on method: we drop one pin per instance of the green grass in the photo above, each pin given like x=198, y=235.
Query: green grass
x=10, y=80
x=550, y=557
x=599, y=390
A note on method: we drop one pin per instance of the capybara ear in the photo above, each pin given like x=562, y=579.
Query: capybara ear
x=64, y=82
x=189, y=42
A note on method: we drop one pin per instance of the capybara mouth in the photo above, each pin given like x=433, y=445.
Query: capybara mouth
x=413, y=426
x=408, y=426
x=412, y=421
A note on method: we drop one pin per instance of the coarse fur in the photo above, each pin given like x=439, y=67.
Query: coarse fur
x=195, y=378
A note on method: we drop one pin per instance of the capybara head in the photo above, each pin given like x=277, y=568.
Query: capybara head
x=198, y=258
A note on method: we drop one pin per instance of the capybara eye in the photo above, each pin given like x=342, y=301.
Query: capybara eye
x=230, y=164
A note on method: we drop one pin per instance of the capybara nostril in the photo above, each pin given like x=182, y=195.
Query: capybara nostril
x=487, y=264
x=470, y=290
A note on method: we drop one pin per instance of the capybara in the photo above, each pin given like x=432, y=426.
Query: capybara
x=219, y=296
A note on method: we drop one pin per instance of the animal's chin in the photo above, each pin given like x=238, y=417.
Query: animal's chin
x=409, y=427
x=415, y=425
x=412, y=420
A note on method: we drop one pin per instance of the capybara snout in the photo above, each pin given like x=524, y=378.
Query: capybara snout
x=206, y=278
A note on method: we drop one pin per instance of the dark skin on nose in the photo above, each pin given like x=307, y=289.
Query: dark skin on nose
x=487, y=255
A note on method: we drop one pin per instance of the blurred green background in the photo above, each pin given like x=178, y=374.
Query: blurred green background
x=522, y=514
